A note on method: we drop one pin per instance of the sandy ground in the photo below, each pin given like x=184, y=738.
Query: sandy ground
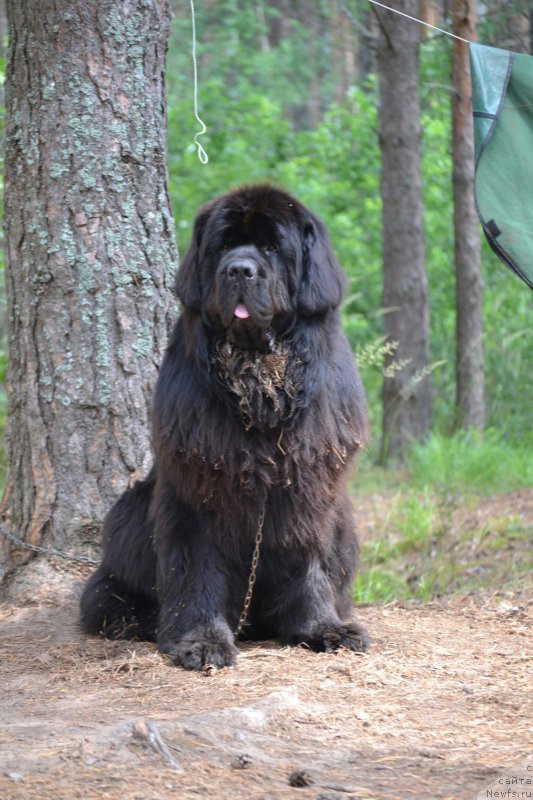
x=441, y=707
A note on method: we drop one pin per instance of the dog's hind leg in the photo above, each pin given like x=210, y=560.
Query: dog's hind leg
x=110, y=609
x=119, y=600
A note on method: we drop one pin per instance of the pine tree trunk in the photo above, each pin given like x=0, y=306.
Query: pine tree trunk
x=406, y=393
x=510, y=24
x=90, y=258
x=470, y=403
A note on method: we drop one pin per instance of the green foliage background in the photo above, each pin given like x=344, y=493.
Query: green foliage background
x=334, y=168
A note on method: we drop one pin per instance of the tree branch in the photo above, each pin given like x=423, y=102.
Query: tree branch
x=382, y=27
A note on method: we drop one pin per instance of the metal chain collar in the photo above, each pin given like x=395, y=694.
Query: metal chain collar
x=253, y=575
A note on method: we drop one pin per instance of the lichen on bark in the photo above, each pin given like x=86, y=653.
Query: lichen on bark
x=89, y=256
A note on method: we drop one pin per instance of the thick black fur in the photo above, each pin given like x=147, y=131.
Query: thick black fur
x=263, y=411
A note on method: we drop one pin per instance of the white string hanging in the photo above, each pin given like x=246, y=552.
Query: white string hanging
x=420, y=21
x=202, y=155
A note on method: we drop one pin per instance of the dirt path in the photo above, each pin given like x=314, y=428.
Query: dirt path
x=439, y=708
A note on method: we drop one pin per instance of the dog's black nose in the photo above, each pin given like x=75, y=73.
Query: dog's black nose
x=242, y=269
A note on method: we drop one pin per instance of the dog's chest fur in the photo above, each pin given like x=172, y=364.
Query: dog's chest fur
x=266, y=389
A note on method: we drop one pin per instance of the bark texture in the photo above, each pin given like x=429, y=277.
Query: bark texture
x=510, y=24
x=470, y=402
x=90, y=257
x=406, y=393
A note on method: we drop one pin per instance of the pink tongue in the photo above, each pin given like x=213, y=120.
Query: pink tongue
x=241, y=312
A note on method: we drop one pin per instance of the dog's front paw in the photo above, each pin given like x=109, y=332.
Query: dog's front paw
x=327, y=637
x=351, y=635
x=202, y=647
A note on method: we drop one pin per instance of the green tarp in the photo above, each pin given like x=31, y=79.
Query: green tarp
x=502, y=100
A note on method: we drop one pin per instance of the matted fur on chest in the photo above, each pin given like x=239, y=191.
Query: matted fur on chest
x=266, y=389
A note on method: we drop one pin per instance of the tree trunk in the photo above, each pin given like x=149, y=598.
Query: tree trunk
x=90, y=258
x=509, y=24
x=406, y=393
x=470, y=403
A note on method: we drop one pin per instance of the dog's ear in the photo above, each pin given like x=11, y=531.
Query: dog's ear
x=323, y=280
x=187, y=284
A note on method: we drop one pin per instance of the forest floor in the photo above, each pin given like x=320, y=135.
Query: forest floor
x=440, y=707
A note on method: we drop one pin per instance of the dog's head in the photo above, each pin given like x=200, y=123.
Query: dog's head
x=258, y=259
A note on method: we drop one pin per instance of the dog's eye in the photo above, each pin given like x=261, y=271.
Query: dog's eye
x=270, y=248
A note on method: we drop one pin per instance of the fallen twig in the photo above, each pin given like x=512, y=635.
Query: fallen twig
x=147, y=732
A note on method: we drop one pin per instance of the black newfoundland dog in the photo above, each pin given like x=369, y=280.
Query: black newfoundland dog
x=257, y=414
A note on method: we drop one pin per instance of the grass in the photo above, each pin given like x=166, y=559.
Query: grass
x=437, y=525
x=472, y=462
